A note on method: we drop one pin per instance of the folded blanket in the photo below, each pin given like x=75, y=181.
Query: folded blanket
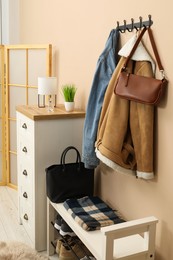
x=91, y=213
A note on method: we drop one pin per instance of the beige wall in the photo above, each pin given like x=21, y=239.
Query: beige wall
x=78, y=30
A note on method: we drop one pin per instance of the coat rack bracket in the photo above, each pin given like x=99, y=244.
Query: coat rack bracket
x=139, y=25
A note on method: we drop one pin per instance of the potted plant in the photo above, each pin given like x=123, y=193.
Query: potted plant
x=69, y=91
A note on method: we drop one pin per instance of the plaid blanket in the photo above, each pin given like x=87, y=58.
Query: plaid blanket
x=91, y=213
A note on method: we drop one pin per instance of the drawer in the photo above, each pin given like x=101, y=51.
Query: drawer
x=26, y=178
x=25, y=126
x=27, y=221
x=25, y=172
x=25, y=150
x=26, y=195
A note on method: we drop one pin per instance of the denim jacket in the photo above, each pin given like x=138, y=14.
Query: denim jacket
x=105, y=67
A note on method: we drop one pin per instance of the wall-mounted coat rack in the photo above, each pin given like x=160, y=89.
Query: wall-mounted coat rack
x=130, y=27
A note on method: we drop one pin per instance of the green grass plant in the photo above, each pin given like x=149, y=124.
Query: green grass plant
x=69, y=91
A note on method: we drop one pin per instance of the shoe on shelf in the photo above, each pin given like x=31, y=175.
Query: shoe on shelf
x=65, y=230
x=67, y=254
x=59, y=243
x=58, y=222
x=85, y=250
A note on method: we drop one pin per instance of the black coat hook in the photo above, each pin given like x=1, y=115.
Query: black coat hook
x=122, y=30
x=118, y=25
x=132, y=26
x=123, y=27
x=150, y=22
x=140, y=22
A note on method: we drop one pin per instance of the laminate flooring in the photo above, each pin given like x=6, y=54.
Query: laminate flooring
x=10, y=229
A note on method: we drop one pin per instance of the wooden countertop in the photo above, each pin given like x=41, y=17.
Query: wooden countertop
x=36, y=113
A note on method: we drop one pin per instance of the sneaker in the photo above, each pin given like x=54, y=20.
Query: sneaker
x=65, y=230
x=58, y=222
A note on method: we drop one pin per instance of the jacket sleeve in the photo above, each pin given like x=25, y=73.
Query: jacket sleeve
x=104, y=70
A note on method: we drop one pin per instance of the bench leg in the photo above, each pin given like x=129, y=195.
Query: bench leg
x=50, y=228
x=108, y=248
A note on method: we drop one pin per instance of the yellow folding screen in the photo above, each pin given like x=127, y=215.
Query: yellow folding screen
x=2, y=119
x=23, y=65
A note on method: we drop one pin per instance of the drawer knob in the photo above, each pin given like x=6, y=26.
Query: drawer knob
x=24, y=126
x=25, y=195
x=25, y=217
x=25, y=172
x=24, y=149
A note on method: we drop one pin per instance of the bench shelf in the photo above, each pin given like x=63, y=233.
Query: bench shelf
x=133, y=240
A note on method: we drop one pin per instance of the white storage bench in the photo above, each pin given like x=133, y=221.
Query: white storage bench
x=133, y=240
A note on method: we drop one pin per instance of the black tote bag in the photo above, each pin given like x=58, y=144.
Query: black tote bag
x=69, y=180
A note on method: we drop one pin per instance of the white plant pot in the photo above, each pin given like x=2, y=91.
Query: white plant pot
x=69, y=106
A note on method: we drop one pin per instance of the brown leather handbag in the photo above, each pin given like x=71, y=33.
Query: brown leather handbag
x=140, y=88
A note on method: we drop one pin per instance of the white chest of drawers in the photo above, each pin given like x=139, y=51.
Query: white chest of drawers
x=41, y=138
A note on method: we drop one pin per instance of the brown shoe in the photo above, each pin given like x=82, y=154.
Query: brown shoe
x=58, y=246
x=67, y=254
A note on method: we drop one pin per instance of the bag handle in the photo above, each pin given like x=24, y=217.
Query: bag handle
x=78, y=158
x=153, y=44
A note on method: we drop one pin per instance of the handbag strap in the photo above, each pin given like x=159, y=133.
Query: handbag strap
x=153, y=44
